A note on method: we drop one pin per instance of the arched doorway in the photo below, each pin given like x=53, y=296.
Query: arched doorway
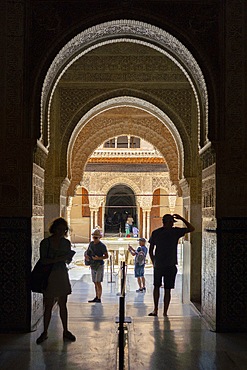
x=120, y=202
x=171, y=119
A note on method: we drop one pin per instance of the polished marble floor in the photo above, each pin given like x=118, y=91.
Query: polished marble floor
x=180, y=342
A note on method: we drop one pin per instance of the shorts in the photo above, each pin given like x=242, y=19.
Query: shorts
x=139, y=271
x=98, y=274
x=169, y=275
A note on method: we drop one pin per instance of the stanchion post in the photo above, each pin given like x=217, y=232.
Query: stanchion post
x=111, y=272
x=121, y=333
x=113, y=260
x=122, y=318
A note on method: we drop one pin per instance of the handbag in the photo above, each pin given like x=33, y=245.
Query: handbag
x=40, y=275
x=88, y=253
x=92, y=263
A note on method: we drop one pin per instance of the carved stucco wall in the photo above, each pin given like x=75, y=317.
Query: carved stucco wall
x=135, y=110
x=112, y=71
x=109, y=124
x=141, y=183
x=209, y=236
x=100, y=74
x=169, y=47
x=40, y=156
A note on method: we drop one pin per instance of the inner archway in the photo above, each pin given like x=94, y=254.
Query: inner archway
x=120, y=202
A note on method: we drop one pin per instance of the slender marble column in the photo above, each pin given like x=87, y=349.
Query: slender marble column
x=143, y=224
x=91, y=220
x=148, y=224
x=96, y=217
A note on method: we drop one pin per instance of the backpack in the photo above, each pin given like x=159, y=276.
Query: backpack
x=140, y=258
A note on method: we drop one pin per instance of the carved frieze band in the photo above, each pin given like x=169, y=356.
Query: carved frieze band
x=101, y=182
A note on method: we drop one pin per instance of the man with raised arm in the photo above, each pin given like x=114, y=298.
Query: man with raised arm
x=163, y=254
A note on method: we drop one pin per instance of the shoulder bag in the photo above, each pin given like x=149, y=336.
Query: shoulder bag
x=40, y=275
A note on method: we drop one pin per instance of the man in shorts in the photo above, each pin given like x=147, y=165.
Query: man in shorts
x=165, y=240
x=96, y=254
x=140, y=264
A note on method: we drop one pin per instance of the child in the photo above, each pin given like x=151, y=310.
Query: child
x=140, y=257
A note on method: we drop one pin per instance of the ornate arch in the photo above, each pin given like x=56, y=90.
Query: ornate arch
x=96, y=131
x=123, y=181
x=107, y=185
x=128, y=101
x=119, y=31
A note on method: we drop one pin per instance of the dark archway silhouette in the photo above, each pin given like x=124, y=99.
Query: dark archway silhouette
x=120, y=202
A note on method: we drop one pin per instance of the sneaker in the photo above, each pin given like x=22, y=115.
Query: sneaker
x=93, y=300
x=153, y=313
x=139, y=290
x=41, y=338
x=144, y=289
x=67, y=335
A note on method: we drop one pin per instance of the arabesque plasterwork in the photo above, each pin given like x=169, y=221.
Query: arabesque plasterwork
x=168, y=45
x=143, y=185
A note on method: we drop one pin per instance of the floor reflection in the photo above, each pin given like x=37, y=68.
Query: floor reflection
x=180, y=342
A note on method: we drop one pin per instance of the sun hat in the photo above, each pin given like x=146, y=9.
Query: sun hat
x=96, y=233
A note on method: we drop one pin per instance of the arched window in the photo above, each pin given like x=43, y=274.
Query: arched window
x=110, y=143
x=122, y=142
x=134, y=142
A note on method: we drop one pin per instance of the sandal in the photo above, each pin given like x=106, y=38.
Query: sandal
x=69, y=336
x=41, y=338
x=152, y=313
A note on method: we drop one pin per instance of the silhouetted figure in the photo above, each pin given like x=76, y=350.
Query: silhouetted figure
x=56, y=250
x=165, y=240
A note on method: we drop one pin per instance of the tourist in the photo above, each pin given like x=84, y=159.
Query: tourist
x=140, y=259
x=56, y=250
x=96, y=254
x=165, y=240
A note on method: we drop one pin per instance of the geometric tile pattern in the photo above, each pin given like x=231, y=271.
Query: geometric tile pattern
x=15, y=297
x=232, y=274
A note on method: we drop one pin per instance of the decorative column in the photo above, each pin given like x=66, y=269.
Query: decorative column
x=70, y=199
x=148, y=223
x=143, y=223
x=91, y=220
x=103, y=219
x=146, y=204
x=96, y=217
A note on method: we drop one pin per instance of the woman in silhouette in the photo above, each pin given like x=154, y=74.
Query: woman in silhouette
x=56, y=251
